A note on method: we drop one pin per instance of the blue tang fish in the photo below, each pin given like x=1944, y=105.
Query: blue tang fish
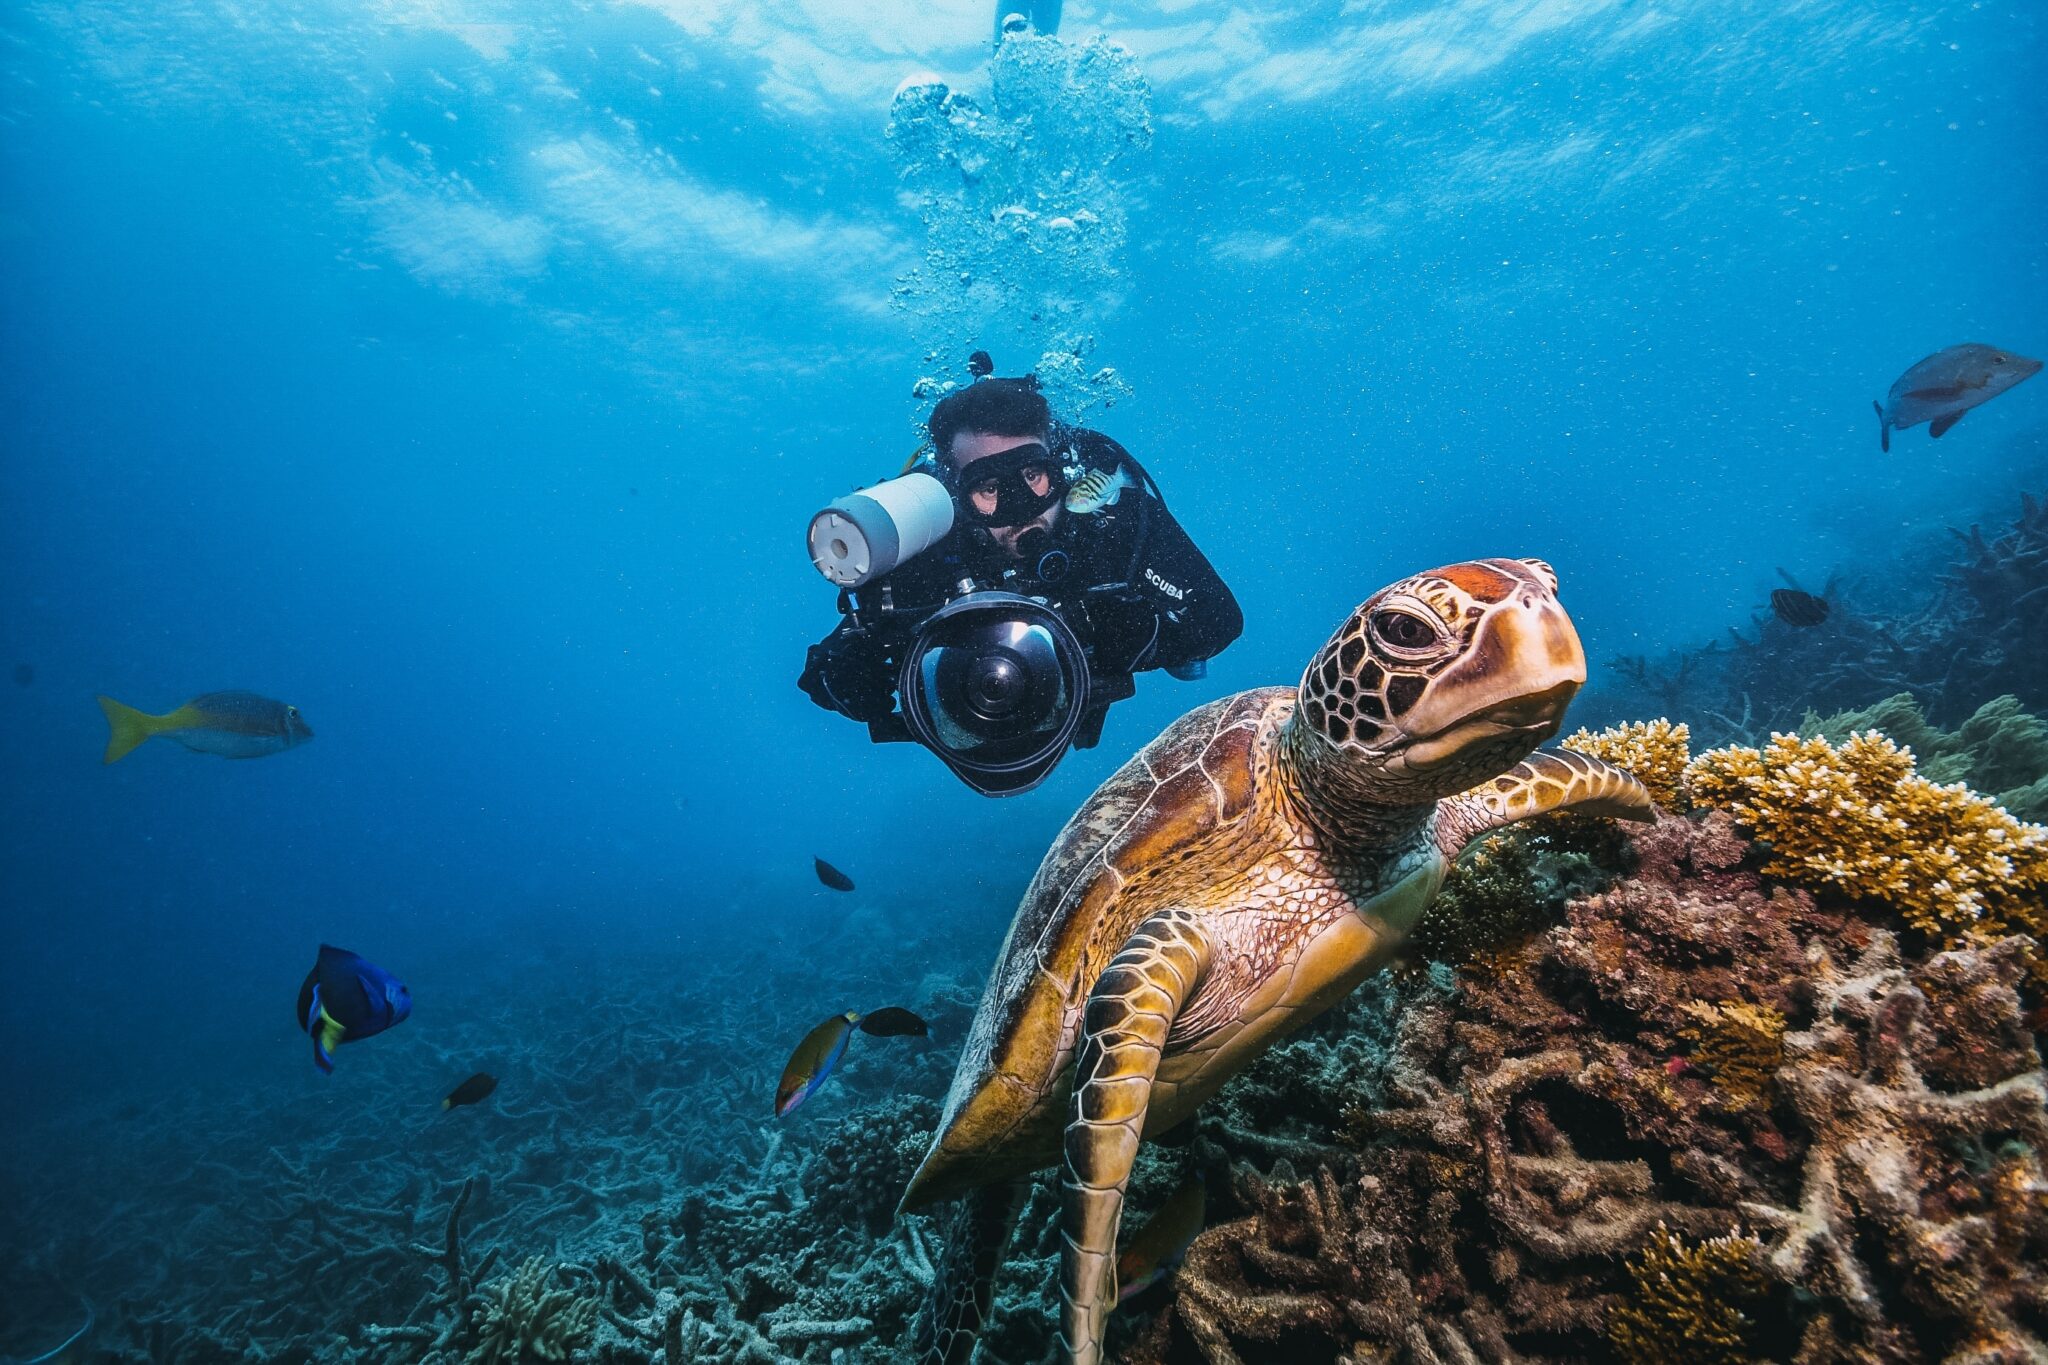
x=346, y=999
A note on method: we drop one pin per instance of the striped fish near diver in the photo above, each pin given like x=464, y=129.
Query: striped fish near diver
x=1097, y=489
x=230, y=724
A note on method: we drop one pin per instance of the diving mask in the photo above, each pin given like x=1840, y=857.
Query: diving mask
x=1012, y=487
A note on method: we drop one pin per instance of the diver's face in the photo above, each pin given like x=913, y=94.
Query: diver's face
x=970, y=446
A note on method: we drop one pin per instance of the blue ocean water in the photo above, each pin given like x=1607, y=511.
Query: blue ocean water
x=466, y=376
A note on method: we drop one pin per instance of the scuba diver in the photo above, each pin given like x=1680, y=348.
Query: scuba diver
x=1007, y=589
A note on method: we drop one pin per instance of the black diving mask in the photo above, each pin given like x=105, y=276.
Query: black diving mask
x=1014, y=479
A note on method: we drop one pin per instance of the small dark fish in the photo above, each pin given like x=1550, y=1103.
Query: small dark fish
x=477, y=1087
x=980, y=365
x=893, y=1021
x=1796, y=608
x=832, y=876
x=231, y=724
x=1158, y=1246
x=345, y=999
x=824, y=1045
x=25, y=675
x=1947, y=384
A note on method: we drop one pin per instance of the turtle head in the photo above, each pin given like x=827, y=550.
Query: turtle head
x=1438, y=683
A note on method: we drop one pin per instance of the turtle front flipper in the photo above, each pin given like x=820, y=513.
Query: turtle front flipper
x=963, y=1288
x=1123, y=1032
x=1550, y=779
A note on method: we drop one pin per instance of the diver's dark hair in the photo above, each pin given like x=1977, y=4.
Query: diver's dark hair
x=1007, y=407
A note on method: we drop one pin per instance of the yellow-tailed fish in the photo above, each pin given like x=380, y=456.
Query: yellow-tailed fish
x=824, y=1045
x=1158, y=1246
x=230, y=724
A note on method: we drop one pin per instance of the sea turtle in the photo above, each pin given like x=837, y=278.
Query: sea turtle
x=1244, y=872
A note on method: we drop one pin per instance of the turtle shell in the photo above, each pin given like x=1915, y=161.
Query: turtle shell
x=1111, y=866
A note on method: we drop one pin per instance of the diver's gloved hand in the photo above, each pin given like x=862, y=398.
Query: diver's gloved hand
x=852, y=679
x=1128, y=633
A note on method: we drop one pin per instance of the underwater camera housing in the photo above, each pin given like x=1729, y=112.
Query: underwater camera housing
x=865, y=534
x=995, y=684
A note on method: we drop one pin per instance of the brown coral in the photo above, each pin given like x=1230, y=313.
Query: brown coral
x=1860, y=821
x=1656, y=751
x=1526, y=1133
x=1687, y=1301
x=1943, y=1191
x=1740, y=1046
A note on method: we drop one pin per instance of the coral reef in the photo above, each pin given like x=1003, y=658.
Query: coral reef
x=1922, y=1214
x=1740, y=1048
x=1637, y=1136
x=1999, y=749
x=1954, y=636
x=1687, y=1300
x=1691, y=1092
x=1656, y=751
x=529, y=1316
x=1858, y=820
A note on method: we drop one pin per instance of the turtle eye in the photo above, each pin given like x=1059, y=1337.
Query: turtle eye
x=1998, y=360
x=1403, y=632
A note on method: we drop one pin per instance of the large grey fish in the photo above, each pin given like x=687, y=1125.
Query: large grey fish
x=1941, y=388
x=231, y=724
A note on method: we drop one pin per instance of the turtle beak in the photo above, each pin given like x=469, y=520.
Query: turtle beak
x=1532, y=719
x=1510, y=690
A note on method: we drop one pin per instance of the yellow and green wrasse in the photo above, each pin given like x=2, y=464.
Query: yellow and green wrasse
x=1158, y=1246
x=231, y=724
x=824, y=1045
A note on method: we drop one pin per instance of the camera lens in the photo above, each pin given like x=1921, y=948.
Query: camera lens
x=997, y=685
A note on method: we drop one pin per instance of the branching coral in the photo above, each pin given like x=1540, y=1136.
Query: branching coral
x=2000, y=749
x=1921, y=1223
x=1656, y=751
x=1858, y=820
x=529, y=1316
x=1686, y=1304
x=1740, y=1046
x=1523, y=1133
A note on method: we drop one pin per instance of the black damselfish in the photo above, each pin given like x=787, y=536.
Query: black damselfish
x=1796, y=608
x=832, y=876
x=477, y=1087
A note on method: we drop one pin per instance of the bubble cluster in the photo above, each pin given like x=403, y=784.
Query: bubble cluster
x=1024, y=215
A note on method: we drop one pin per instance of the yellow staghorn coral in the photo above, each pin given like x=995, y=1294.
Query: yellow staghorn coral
x=1859, y=820
x=1656, y=751
x=1741, y=1046
x=1687, y=1304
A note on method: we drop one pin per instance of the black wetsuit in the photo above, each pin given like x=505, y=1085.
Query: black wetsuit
x=1139, y=592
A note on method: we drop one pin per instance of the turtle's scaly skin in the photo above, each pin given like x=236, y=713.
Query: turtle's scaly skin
x=1245, y=871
